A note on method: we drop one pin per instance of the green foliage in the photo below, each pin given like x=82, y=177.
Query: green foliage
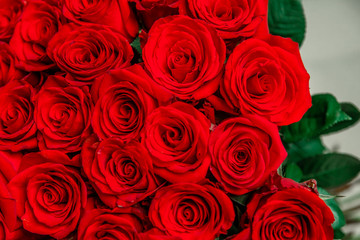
x=242, y=199
x=286, y=18
x=325, y=116
x=298, y=151
x=294, y=172
x=338, y=214
x=330, y=170
x=338, y=234
x=349, y=109
x=136, y=45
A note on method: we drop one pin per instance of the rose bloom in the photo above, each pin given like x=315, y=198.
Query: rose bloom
x=234, y=20
x=124, y=98
x=10, y=12
x=118, y=223
x=185, y=56
x=115, y=14
x=88, y=52
x=177, y=139
x=149, y=10
x=49, y=196
x=9, y=164
x=17, y=126
x=267, y=78
x=191, y=211
x=286, y=210
x=7, y=212
x=155, y=234
x=244, y=151
x=121, y=173
x=62, y=115
x=39, y=22
x=8, y=71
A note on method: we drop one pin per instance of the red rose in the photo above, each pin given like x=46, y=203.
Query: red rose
x=244, y=151
x=35, y=79
x=121, y=173
x=118, y=223
x=115, y=14
x=191, y=211
x=234, y=20
x=62, y=115
x=150, y=10
x=55, y=3
x=286, y=211
x=267, y=78
x=8, y=71
x=17, y=126
x=39, y=22
x=125, y=97
x=155, y=234
x=9, y=165
x=10, y=12
x=49, y=196
x=177, y=139
x=88, y=52
x=185, y=56
x=7, y=211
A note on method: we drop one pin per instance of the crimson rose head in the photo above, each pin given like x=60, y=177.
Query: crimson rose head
x=49, y=195
x=115, y=14
x=267, y=78
x=121, y=173
x=17, y=125
x=62, y=115
x=185, y=56
x=8, y=69
x=149, y=10
x=124, y=98
x=38, y=24
x=177, y=139
x=87, y=52
x=7, y=211
x=118, y=223
x=191, y=211
x=234, y=20
x=245, y=150
x=286, y=210
x=10, y=12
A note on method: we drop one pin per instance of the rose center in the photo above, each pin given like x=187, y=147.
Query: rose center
x=172, y=136
x=181, y=63
x=223, y=10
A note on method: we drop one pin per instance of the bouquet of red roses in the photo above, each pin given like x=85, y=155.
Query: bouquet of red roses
x=164, y=119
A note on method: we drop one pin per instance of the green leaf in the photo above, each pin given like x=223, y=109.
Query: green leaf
x=304, y=149
x=352, y=111
x=333, y=205
x=136, y=44
x=294, y=172
x=137, y=50
x=241, y=199
x=330, y=170
x=338, y=234
x=286, y=18
x=323, y=115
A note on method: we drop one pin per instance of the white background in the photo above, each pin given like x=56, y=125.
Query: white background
x=331, y=54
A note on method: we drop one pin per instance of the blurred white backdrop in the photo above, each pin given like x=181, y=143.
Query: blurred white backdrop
x=331, y=54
